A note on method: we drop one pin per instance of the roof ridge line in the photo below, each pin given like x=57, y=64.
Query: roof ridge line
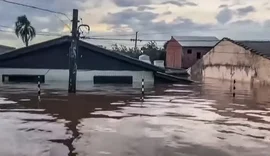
x=246, y=47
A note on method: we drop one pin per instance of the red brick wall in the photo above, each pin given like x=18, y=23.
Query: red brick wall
x=189, y=59
x=173, y=54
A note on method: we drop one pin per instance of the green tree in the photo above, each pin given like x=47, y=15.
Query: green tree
x=24, y=30
x=126, y=51
x=153, y=51
x=165, y=45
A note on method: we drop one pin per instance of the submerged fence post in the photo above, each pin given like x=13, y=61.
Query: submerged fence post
x=234, y=88
x=142, y=89
x=39, y=90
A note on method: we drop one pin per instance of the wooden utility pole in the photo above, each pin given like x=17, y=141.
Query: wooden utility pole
x=73, y=52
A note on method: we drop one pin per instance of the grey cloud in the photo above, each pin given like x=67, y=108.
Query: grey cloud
x=128, y=16
x=191, y=4
x=244, y=22
x=224, y=16
x=64, y=5
x=246, y=10
x=266, y=24
x=247, y=30
x=143, y=21
x=7, y=36
x=37, y=17
x=128, y=3
x=8, y=39
x=223, y=6
x=143, y=8
x=181, y=3
x=167, y=13
x=238, y=2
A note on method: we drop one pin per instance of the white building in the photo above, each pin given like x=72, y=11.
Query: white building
x=50, y=61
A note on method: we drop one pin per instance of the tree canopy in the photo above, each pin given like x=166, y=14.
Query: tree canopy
x=24, y=29
x=151, y=49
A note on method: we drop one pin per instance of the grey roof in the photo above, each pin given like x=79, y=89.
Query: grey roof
x=260, y=46
x=197, y=41
x=34, y=48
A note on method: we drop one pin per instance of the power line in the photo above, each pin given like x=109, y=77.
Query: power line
x=63, y=22
x=6, y=31
x=121, y=39
x=5, y=26
x=38, y=33
x=110, y=39
x=112, y=35
x=42, y=9
x=156, y=33
x=38, y=8
x=173, y=32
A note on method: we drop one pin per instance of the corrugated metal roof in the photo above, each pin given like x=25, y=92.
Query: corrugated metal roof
x=197, y=41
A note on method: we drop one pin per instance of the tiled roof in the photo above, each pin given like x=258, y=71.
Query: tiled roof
x=197, y=41
x=259, y=47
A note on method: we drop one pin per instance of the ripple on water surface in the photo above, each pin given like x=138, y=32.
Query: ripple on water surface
x=185, y=120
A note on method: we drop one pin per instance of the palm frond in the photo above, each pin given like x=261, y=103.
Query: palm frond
x=31, y=32
x=24, y=30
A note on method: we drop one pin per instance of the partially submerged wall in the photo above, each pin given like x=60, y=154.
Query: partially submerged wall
x=229, y=61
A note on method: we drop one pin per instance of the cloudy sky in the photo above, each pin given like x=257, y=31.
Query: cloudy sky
x=154, y=19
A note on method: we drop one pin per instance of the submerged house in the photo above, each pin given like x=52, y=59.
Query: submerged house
x=184, y=51
x=245, y=61
x=50, y=61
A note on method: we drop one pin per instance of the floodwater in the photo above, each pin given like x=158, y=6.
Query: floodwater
x=173, y=120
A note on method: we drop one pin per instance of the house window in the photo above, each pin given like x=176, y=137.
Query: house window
x=113, y=79
x=189, y=51
x=199, y=55
x=23, y=78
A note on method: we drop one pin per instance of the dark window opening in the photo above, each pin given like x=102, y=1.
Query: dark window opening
x=189, y=51
x=23, y=78
x=113, y=79
x=199, y=55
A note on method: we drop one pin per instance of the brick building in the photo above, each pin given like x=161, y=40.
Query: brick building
x=184, y=51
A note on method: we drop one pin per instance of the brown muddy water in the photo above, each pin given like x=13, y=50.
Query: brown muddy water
x=173, y=120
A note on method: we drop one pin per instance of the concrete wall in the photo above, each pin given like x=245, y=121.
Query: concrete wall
x=54, y=75
x=189, y=60
x=229, y=61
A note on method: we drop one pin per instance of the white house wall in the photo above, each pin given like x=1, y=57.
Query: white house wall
x=229, y=61
x=82, y=75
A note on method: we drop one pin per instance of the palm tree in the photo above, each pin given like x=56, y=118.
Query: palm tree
x=24, y=30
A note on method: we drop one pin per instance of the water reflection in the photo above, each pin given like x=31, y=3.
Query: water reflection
x=185, y=120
